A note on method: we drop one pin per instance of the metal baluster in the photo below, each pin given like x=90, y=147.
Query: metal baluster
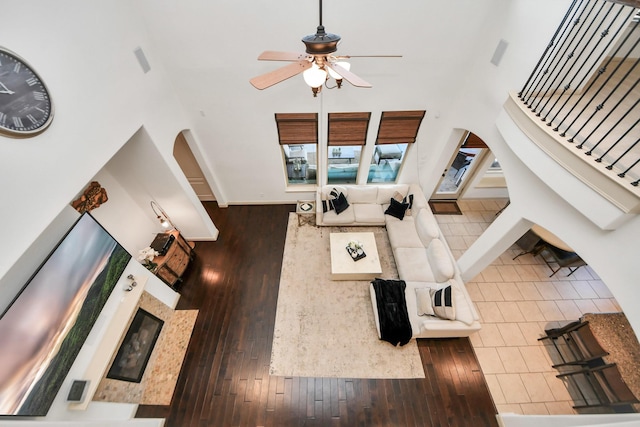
x=585, y=74
x=607, y=117
x=599, y=73
x=601, y=105
x=599, y=159
x=574, y=62
x=568, y=59
x=531, y=79
x=557, y=56
x=623, y=173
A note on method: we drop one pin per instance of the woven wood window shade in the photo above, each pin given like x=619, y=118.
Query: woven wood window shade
x=399, y=127
x=348, y=128
x=297, y=128
x=473, y=141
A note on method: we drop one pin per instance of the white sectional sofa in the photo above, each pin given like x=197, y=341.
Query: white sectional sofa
x=422, y=256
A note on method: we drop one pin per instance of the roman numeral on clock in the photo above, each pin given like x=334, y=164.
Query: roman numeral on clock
x=17, y=122
x=3, y=119
x=39, y=96
x=32, y=81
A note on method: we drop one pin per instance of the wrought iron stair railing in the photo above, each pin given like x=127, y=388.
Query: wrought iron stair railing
x=585, y=85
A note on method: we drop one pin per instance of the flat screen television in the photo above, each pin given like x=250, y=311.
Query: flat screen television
x=44, y=328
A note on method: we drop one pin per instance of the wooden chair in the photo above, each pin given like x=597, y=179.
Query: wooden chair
x=582, y=347
x=607, y=388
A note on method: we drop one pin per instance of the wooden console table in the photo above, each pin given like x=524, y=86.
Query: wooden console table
x=172, y=265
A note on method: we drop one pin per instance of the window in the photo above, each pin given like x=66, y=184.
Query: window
x=397, y=130
x=347, y=134
x=298, y=137
x=386, y=162
x=300, y=163
x=343, y=163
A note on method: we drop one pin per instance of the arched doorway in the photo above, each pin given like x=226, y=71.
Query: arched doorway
x=463, y=165
x=189, y=165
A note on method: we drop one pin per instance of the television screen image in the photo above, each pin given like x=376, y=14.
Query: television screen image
x=44, y=328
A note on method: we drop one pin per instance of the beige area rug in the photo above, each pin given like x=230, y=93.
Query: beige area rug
x=326, y=328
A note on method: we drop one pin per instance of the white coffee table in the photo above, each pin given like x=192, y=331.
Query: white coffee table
x=343, y=267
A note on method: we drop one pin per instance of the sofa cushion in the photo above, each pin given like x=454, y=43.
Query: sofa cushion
x=327, y=189
x=426, y=227
x=402, y=234
x=463, y=305
x=396, y=209
x=423, y=302
x=368, y=213
x=440, y=261
x=346, y=217
x=386, y=192
x=363, y=194
x=413, y=264
x=419, y=200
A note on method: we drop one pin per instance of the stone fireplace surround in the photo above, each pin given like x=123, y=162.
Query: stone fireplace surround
x=161, y=374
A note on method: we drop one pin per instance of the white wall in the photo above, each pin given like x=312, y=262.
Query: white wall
x=84, y=52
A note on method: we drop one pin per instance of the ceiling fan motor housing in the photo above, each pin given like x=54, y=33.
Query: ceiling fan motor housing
x=321, y=43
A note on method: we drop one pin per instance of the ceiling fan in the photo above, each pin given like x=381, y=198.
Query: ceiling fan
x=317, y=64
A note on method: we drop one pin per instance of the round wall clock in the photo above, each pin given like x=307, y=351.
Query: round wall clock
x=25, y=104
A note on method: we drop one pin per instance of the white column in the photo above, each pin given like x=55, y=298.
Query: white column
x=501, y=234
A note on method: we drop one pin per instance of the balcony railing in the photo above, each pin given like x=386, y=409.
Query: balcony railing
x=586, y=84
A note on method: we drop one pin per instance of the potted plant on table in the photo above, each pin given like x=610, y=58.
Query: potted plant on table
x=146, y=256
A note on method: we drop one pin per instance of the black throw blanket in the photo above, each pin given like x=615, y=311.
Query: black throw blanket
x=392, y=311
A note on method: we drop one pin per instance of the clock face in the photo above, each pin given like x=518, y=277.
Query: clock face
x=25, y=105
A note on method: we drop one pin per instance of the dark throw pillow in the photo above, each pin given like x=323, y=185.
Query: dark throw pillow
x=327, y=205
x=397, y=209
x=442, y=301
x=340, y=204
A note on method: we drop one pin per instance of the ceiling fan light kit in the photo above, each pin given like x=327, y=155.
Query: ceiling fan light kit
x=316, y=66
x=315, y=77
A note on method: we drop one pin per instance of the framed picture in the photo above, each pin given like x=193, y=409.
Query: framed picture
x=135, y=350
x=66, y=295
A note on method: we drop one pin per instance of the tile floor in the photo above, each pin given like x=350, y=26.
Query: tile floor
x=517, y=301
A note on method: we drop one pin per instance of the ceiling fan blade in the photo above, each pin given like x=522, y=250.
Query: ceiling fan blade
x=280, y=74
x=367, y=56
x=348, y=75
x=272, y=55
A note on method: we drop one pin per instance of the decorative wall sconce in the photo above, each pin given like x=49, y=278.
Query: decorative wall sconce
x=162, y=216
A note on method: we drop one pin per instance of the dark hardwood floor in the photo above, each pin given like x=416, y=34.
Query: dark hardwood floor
x=225, y=378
